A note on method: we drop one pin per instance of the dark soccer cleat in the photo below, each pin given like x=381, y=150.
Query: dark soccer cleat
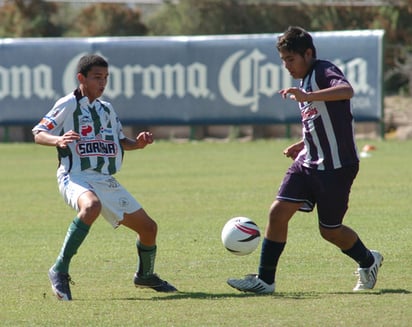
x=154, y=282
x=60, y=283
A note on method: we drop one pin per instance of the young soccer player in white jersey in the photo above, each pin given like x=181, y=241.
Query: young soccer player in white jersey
x=324, y=168
x=90, y=144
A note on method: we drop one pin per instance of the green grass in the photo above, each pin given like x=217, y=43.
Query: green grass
x=191, y=190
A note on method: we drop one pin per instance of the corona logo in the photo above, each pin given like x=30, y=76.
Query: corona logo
x=25, y=82
x=221, y=81
x=152, y=81
x=254, y=78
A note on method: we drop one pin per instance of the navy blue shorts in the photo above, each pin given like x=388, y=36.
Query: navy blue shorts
x=327, y=189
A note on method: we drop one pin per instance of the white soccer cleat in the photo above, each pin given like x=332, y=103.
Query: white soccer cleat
x=251, y=283
x=368, y=276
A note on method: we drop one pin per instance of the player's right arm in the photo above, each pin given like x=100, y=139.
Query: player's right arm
x=49, y=130
x=45, y=138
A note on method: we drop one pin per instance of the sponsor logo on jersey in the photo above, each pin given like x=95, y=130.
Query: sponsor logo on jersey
x=48, y=123
x=309, y=113
x=97, y=148
x=86, y=129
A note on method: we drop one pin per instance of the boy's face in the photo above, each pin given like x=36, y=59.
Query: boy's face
x=297, y=65
x=94, y=83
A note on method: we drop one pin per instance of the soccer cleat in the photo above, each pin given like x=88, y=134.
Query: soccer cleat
x=252, y=283
x=60, y=284
x=154, y=282
x=368, y=276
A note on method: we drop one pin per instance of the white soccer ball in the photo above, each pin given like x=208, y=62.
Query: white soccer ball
x=240, y=236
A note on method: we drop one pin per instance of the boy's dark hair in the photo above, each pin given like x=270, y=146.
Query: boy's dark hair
x=86, y=63
x=296, y=39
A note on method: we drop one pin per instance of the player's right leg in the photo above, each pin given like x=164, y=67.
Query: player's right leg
x=88, y=206
x=292, y=196
x=272, y=247
x=59, y=272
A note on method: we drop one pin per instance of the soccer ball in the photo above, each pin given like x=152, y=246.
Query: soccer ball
x=240, y=236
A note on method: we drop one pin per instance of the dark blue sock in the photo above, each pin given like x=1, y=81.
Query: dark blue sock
x=269, y=258
x=360, y=254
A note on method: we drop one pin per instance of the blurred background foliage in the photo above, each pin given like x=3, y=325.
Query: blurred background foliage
x=38, y=18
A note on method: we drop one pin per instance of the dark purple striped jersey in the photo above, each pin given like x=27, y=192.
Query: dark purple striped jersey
x=328, y=126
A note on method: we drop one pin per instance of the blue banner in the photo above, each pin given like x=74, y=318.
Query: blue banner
x=231, y=79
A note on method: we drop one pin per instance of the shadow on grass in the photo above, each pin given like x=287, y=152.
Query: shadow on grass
x=215, y=296
x=377, y=292
x=397, y=291
x=280, y=295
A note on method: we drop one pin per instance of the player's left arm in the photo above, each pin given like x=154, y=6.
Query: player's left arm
x=140, y=142
x=341, y=91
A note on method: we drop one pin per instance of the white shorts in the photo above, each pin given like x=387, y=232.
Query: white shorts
x=114, y=198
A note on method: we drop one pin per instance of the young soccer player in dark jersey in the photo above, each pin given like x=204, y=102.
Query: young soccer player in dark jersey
x=324, y=167
x=90, y=144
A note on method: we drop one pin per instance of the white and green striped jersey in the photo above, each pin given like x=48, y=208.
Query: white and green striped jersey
x=99, y=147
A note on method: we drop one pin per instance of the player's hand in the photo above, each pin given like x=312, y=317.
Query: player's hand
x=143, y=139
x=294, y=93
x=293, y=150
x=67, y=138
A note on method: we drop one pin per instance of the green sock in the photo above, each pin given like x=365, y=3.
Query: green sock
x=147, y=255
x=76, y=233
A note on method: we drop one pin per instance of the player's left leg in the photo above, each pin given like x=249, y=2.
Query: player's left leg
x=332, y=202
x=350, y=244
x=146, y=228
x=119, y=207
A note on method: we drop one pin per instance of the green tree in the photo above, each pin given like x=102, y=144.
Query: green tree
x=23, y=18
x=394, y=18
x=208, y=17
x=106, y=19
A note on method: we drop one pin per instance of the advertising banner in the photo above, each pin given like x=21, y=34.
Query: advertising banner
x=232, y=79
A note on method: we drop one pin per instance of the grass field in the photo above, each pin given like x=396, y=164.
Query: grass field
x=192, y=189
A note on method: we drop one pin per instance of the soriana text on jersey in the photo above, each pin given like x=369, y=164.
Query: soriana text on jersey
x=97, y=148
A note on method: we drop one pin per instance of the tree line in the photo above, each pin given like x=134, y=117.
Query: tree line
x=38, y=18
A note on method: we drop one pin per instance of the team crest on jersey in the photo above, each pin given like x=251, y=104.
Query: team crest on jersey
x=308, y=111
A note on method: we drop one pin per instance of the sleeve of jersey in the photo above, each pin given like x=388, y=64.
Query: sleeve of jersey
x=118, y=124
x=53, y=121
x=334, y=76
x=120, y=130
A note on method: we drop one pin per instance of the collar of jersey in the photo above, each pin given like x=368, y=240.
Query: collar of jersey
x=84, y=102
